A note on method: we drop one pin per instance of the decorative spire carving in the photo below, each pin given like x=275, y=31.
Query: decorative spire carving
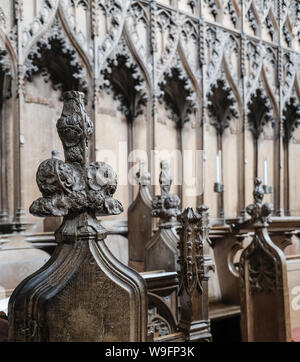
x=140, y=220
x=194, y=232
x=75, y=186
x=166, y=205
x=191, y=256
x=259, y=212
x=193, y=274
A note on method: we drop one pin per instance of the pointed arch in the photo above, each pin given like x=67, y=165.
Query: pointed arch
x=260, y=93
x=48, y=16
x=87, y=60
x=232, y=84
x=124, y=76
x=135, y=55
x=169, y=26
x=117, y=13
x=190, y=74
x=56, y=59
x=224, y=99
x=269, y=91
x=39, y=26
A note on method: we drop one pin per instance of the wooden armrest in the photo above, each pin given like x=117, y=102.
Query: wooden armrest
x=174, y=337
x=3, y=330
x=221, y=310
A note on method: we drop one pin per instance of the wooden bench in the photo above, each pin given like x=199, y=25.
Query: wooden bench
x=293, y=278
x=187, y=289
x=227, y=243
x=269, y=304
x=269, y=284
x=162, y=290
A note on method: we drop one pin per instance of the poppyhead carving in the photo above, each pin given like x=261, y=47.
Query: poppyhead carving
x=259, y=212
x=75, y=186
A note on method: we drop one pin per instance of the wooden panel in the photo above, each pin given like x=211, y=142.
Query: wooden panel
x=293, y=270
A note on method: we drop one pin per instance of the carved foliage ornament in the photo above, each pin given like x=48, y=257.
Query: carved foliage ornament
x=66, y=69
x=213, y=7
x=224, y=7
x=291, y=118
x=193, y=234
x=262, y=257
x=258, y=211
x=178, y=93
x=74, y=186
x=259, y=112
x=123, y=77
x=221, y=105
x=261, y=267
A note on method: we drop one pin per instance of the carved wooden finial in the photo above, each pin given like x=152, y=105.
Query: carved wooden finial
x=140, y=220
x=165, y=179
x=166, y=205
x=75, y=186
x=258, y=211
x=77, y=295
x=262, y=274
x=143, y=176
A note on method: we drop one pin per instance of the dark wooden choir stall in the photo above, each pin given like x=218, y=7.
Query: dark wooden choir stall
x=83, y=293
x=269, y=282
